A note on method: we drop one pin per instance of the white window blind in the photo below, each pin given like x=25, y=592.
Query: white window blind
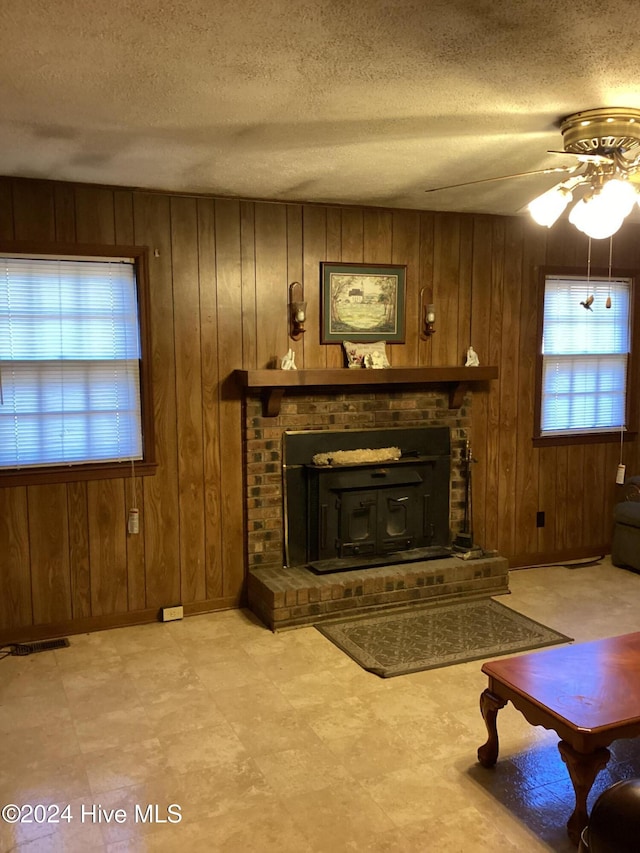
x=69, y=361
x=584, y=356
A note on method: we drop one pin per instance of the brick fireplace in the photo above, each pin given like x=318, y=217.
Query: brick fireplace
x=287, y=593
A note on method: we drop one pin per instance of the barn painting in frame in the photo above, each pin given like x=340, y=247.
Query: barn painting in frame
x=362, y=302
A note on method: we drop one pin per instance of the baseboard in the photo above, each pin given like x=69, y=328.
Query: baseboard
x=545, y=558
x=28, y=633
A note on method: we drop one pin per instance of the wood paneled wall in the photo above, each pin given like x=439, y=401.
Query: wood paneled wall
x=219, y=274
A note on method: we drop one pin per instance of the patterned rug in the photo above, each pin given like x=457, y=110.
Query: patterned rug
x=410, y=640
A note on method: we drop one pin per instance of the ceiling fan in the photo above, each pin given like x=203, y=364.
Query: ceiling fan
x=603, y=176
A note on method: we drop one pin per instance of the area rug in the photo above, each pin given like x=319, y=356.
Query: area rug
x=410, y=640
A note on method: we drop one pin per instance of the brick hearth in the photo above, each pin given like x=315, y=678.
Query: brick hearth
x=287, y=597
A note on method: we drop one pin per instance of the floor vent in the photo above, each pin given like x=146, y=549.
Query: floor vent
x=42, y=646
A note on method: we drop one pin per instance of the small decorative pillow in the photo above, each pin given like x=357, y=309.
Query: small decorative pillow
x=366, y=355
x=357, y=457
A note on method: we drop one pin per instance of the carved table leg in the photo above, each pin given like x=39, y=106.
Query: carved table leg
x=490, y=704
x=583, y=769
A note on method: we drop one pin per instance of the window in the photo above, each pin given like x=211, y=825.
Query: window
x=583, y=377
x=71, y=352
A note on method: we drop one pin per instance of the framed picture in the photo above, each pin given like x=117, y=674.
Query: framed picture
x=362, y=302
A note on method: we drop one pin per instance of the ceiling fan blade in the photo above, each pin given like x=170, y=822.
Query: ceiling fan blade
x=567, y=169
x=584, y=158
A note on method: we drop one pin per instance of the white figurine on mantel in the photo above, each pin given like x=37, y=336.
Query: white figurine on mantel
x=472, y=358
x=288, y=361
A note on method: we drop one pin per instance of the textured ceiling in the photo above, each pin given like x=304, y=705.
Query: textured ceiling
x=356, y=101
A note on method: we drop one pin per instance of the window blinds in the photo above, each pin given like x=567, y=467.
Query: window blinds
x=69, y=361
x=585, y=355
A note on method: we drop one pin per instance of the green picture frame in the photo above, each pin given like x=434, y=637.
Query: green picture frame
x=362, y=302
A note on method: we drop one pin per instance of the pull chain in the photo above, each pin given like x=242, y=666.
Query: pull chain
x=621, y=466
x=133, y=520
x=588, y=301
x=608, y=302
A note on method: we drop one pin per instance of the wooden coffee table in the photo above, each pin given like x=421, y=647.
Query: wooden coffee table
x=588, y=693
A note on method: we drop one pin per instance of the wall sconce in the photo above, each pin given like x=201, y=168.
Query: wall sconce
x=427, y=315
x=297, y=312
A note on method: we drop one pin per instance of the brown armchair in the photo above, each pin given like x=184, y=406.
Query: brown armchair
x=625, y=548
x=614, y=824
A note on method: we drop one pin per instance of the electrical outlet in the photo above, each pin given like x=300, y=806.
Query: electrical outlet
x=169, y=614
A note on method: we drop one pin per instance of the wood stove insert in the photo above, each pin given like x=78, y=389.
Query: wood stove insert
x=342, y=517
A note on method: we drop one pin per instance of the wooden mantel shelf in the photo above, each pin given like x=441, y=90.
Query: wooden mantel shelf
x=274, y=382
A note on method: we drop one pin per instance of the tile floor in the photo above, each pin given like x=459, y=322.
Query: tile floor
x=279, y=742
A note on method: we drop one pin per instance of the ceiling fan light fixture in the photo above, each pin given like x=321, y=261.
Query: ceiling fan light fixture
x=548, y=207
x=596, y=216
x=599, y=139
x=620, y=194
